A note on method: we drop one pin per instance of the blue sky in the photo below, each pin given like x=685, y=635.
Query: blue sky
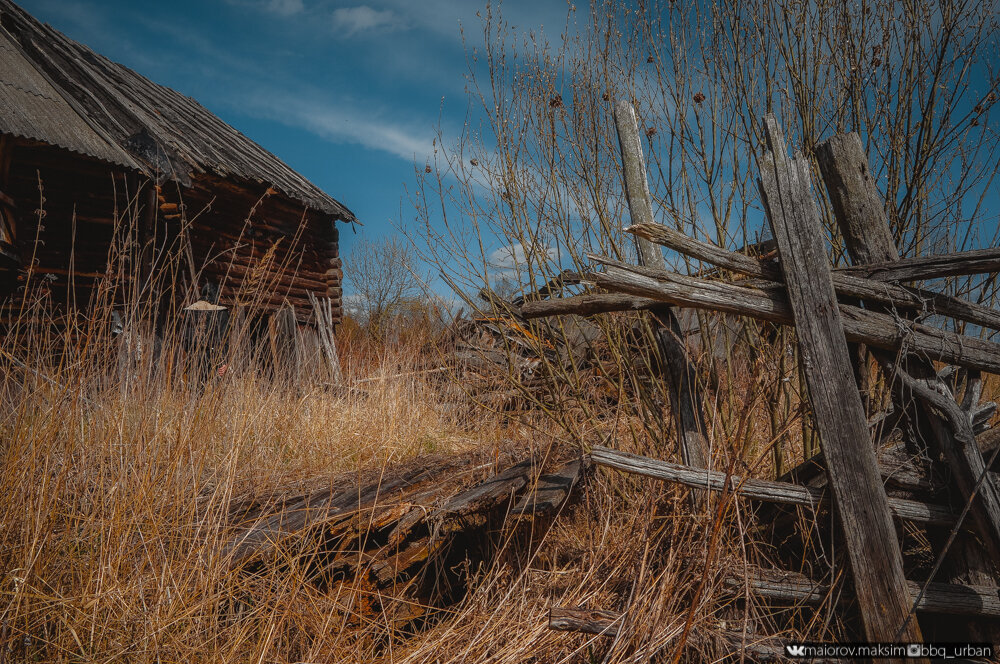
x=350, y=94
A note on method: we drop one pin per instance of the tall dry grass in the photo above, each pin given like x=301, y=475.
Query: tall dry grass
x=117, y=483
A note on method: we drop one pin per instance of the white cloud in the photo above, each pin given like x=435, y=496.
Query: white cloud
x=514, y=256
x=355, y=20
x=340, y=124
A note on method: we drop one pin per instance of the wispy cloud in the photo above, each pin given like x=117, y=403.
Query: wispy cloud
x=285, y=7
x=343, y=125
x=357, y=20
x=281, y=7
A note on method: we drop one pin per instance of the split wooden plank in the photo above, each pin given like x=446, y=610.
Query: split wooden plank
x=873, y=328
x=872, y=548
x=846, y=284
x=785, y=493
x=681, y=376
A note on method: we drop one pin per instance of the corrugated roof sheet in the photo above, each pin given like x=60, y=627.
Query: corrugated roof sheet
x=120, y=113
x=31, y=108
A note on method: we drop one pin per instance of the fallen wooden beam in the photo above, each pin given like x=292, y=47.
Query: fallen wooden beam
x=860, y=325
x=587, y=621
x=763, y=490
x=587, y=305
x=945, y=598
x=846, y=284
x=553, y=286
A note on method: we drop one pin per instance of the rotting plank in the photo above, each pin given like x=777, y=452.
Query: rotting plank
x=860, y=213
x=609, y=623
x=943, y=598
x=684, y=396
x=960, y=263
x=587, y=305
x=872, y=546
x=954, y=434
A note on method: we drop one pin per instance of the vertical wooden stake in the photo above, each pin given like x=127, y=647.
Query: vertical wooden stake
x=872, y=544
x=684, y=397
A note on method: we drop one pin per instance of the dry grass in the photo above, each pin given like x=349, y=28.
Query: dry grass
x=118, y=482
x=115, y=498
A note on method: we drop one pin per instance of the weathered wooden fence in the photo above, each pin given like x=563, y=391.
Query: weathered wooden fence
x=868, y=307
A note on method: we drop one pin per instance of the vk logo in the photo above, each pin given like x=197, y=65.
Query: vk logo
x=795, y=651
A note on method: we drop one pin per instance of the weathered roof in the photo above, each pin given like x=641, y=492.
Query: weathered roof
x=31, y=108
x=75, y=98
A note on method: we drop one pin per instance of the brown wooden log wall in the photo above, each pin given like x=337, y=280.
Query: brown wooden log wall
x=234, y=226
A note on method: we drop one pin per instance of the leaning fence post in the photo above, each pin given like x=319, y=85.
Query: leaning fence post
x=872, y=546
x=859, y=210
x=685, y=400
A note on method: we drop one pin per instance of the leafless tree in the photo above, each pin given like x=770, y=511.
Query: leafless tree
x=381, y=274
x=915, y=79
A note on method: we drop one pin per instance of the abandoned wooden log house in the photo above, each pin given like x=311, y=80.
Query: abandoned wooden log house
x=88, y=146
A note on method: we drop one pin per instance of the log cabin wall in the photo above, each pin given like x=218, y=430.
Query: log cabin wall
x=255, y=245
x=63, y=222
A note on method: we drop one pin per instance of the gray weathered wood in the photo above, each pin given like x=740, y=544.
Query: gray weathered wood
x=962, y=454
x=862, y=505
x=587, y=621
x=857, y=205
x=943, y=598
x=553, y=286
x=587, y=305
x=681, y=379
x=861, y=325
x=550, y=490
x=763, y=490
x=323, y=312
x=977, y=261
x=609, y=624
x=859, y=211
x=846, y=284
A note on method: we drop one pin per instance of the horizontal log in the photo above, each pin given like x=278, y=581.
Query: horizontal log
x=587, y=305
x=978, y=261
x=947, y=598
x=846, y=284
x=763, y=490
x=586, y=621
x=860, y=325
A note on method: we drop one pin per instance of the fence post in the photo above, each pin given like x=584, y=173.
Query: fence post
x=872, y=544
x=859, y=209
x=680, y=372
